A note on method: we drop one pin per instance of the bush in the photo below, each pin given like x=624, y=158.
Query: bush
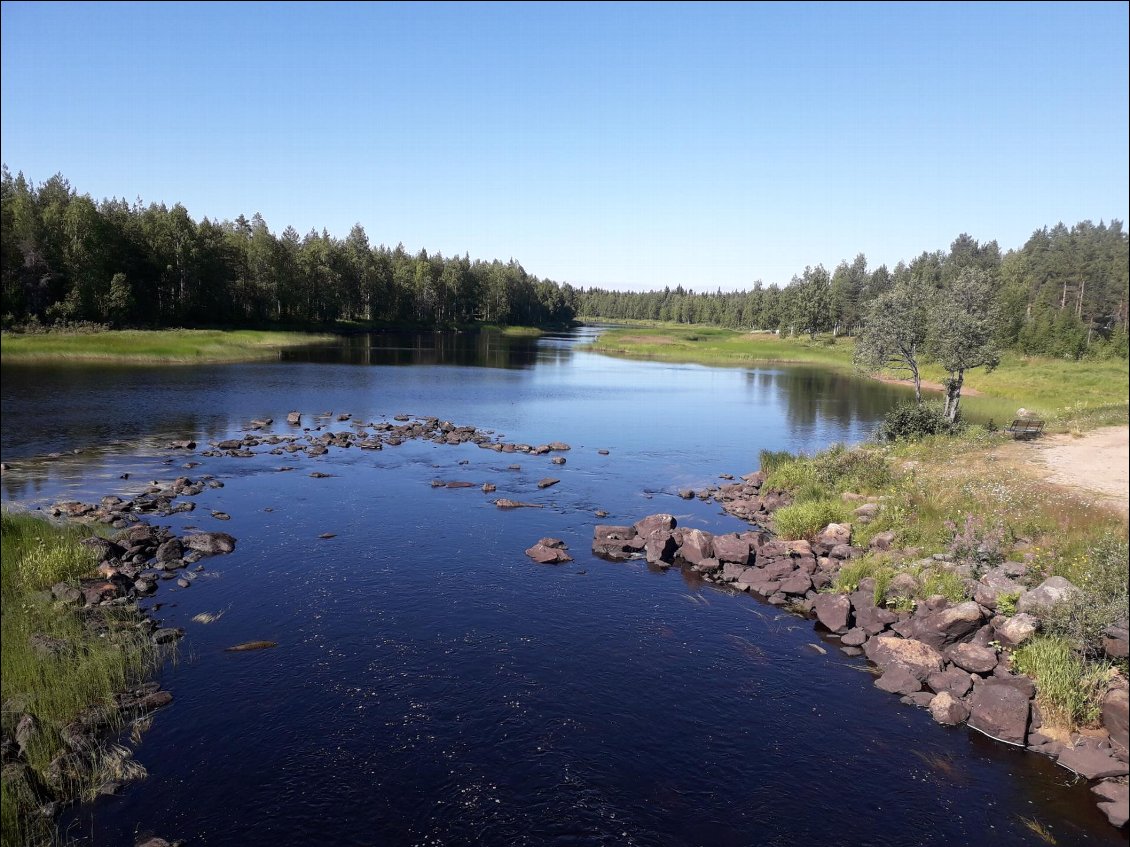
x=1100, y=601
x=1069, y=690
x=804, y=520
x=912, y=421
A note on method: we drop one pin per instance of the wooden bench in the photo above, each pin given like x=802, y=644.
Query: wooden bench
x=1026, y=428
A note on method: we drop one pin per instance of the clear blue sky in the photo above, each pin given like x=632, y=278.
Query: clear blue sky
x=631, y=146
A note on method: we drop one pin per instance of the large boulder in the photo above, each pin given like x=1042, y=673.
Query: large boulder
x=732, y=548
x=896, y=679
x=832, y=535
x=972, y=658
x=654, y=523
x=1000, y=710
x=660, y=547
x=1115, y=716
x=1116, y=640
x=953, y=681
x=870, y=618
x=209, y=543
x=170, y=551
x=833, y=611
x=1114, y=800
x=949, y=625
x=947, y=709
x=696, y=546
x=1016, y=630
x=1052, y=590
x=918, y=658
x=615, y=542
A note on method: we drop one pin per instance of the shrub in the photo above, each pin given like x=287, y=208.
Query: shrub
x=911, y=421
x=976, y=543
x=1006, y=603
x=804, y=520
x=852, y=573
x=1069, y=690
x=1100, y=601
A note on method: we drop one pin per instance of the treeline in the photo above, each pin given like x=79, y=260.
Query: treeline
x=1064, y=293
x=69, y=259
x=66, y=258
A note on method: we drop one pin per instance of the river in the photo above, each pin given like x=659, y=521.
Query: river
x=432, y=685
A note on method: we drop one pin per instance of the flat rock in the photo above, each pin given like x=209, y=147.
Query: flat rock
x=1090, y=761
x=953, y=681
x=948, y=625
x=1016, y=630
x=548, y=555
x=918, y=658
x=1114, y=800
x=547, y=482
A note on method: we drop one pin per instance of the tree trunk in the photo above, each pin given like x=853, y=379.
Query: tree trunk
x=953, y=394
x=917, y=383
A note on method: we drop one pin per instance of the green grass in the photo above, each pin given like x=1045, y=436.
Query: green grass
x=805, y=519
x=172, y=346
x=1069, y=690
x=56, y=688
x=1069, y=395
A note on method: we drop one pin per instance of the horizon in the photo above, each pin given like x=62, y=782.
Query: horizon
x=637, y=132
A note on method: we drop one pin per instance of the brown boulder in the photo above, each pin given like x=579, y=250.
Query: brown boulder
x=947, y=709
x=1115, y=717
x=547, y=555
x=831, y=536
x=209, y=543
x=1114, y=801
x=654, y=523
x=953, y=681
x=948, y=625
x=898, y=680
x=918, y=658
x=732, y=548
x=696, y=546
x=999, y=710
x=972, y=658
x=833, y=611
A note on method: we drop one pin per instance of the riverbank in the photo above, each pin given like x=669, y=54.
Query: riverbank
x=75, y=661
x=191, y=346
x=163, y=346
x=980, y=592
x=1071, y=396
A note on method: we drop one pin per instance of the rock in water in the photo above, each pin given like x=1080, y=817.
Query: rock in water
x=251, y=645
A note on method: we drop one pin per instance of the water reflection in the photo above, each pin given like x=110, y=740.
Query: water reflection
x=487, y=348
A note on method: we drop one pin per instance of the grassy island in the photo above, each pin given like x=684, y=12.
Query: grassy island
x=164, y=346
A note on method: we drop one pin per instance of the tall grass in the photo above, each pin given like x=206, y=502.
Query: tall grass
x=805, y=519
x=174, y=346
x=1069, y=690
x=89, y=665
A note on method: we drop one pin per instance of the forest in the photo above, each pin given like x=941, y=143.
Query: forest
x=67, y=259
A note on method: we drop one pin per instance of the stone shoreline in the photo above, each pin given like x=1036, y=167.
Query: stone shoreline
x=950, y=658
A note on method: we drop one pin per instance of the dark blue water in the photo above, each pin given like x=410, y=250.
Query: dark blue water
x=433, y=686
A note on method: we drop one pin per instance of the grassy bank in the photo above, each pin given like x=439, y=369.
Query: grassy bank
x=974, y=500
x=172, y=346
x=83, y=666
x=1071, y=396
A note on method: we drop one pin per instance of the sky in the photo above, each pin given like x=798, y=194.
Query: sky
x=626, y=146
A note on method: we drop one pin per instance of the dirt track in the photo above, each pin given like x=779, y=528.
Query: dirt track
x=1098, y=463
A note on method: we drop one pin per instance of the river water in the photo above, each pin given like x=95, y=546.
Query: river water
x=432, y=685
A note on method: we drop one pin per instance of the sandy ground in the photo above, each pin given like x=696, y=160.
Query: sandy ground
x=1098, y=463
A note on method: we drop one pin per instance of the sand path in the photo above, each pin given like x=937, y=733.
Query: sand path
x=1097, y=463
